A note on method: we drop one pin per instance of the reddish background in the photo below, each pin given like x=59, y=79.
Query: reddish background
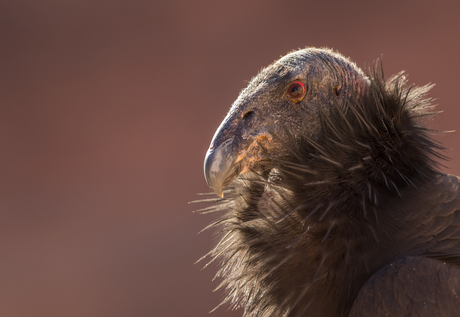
x=107, y=109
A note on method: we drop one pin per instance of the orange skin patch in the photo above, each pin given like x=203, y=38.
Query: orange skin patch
x=253, y=153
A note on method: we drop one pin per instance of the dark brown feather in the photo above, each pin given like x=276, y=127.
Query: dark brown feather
x=302, y=233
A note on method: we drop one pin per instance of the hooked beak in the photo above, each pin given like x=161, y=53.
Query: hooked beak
x=221, y=166
x=233, y=149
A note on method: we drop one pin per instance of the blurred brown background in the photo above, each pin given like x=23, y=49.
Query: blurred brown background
x=107, y=109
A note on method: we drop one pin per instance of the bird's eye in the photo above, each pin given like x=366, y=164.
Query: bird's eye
x=296, y=91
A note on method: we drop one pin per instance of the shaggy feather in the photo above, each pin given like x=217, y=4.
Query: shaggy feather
x=310, y=212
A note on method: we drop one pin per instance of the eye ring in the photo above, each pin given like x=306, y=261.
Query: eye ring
x=296, y=91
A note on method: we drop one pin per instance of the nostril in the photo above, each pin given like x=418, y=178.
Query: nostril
x=248, y=114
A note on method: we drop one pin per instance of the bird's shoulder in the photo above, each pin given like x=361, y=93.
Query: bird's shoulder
x=412, y=286
x=442, y=221
x=430, y=220
x=423, y=280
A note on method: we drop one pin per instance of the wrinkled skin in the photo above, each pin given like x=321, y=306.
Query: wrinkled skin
x=263, y=109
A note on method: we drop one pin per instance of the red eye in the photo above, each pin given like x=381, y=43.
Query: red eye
x=296, y=91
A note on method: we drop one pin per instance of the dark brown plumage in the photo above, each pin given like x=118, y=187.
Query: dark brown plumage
x=334, y=205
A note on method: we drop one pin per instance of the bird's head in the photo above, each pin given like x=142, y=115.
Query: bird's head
x=284, y=101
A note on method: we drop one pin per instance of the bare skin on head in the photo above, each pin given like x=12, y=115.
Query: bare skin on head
x=264, y=106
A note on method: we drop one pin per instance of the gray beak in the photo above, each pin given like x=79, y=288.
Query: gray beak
x=220, y=166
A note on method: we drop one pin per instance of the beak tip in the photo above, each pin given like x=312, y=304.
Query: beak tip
x=220, y=167
x=215, y=187
x=212, y=179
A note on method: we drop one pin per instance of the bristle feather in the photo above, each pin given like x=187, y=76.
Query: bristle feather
x=369, y=148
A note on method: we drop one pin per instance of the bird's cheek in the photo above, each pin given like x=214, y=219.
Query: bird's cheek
x=252, y=148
